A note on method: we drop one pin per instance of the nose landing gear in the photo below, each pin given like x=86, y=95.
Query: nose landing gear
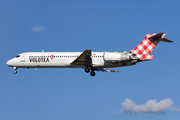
x=15, y=70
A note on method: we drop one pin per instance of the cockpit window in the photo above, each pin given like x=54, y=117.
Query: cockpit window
x=17, y=56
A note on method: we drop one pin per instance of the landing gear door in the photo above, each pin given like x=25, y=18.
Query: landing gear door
x=22, y=58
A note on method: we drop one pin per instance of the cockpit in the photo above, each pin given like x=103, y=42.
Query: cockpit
x=17, y=56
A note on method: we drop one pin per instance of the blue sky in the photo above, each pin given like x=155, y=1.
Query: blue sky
x=66, y=94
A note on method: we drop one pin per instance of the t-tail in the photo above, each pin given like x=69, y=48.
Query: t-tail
x=144, y=49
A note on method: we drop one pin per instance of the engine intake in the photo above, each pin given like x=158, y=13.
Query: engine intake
x=116, y=57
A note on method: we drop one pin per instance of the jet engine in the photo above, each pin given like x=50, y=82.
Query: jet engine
x=116, y=57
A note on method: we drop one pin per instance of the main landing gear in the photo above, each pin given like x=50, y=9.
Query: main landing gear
x=92, y=73
x=15, y=70
x=87, y=70
x=88, y=66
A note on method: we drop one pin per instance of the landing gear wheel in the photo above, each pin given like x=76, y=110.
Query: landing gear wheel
x=92, y=73
x=15, y=72
x=87, y=70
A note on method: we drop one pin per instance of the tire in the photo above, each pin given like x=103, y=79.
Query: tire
x=92, y=73
x=15, y=72
x=87, y=70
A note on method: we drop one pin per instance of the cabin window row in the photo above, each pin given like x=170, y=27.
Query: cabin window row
x=97, y=56
x=58, y=56
x=51, y=56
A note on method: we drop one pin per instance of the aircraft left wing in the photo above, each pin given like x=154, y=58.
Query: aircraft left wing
x=84, y=58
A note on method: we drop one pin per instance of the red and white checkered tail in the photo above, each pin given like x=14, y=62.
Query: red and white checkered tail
x=150, y=41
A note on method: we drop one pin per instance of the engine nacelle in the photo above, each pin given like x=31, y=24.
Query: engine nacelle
x=116, y=57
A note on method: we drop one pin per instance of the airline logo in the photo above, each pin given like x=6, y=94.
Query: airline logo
x=147, y=45
x=52, y=56
x=40, y=58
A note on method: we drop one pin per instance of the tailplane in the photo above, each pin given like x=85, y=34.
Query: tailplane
x=144, y=49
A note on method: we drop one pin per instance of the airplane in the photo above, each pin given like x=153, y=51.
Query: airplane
x=87, y=60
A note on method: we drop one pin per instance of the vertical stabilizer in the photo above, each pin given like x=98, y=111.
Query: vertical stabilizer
x=144, y=49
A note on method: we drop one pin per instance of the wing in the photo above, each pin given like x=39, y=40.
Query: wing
x=106, y=70
x=84, y=58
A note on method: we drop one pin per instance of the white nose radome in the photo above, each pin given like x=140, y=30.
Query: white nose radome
x=9, y=63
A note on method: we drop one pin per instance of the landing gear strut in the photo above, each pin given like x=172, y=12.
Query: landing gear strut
x=15, y=70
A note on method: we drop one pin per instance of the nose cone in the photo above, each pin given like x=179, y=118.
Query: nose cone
x=9, y=63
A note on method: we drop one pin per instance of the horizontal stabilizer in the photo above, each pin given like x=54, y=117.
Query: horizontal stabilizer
x=166, y=40
x=106, y=70
x=160, y=35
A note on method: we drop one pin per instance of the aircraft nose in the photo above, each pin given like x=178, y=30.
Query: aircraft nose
x=9, y=62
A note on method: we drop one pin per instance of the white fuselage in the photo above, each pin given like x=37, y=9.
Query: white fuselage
x=59, y=60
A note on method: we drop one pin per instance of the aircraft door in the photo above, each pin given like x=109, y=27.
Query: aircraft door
x=22, y=58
